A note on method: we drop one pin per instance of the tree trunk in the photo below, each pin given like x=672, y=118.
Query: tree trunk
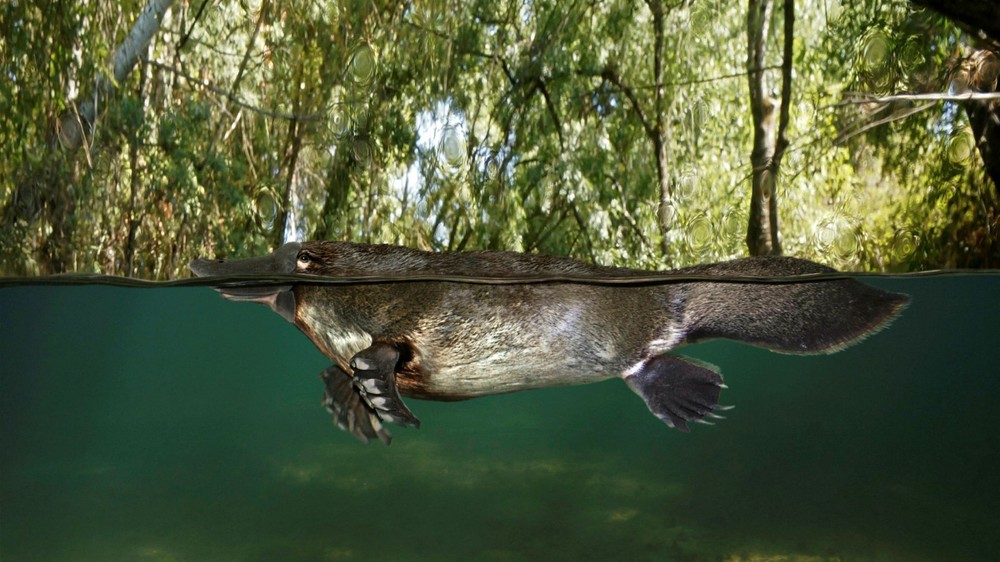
x=657, y=131
x=981, y=20
x=982, y=74
x=76, y=123
x=769, y=140
x=762, y=232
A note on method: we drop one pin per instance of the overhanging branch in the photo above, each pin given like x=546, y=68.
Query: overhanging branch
x=73, y=126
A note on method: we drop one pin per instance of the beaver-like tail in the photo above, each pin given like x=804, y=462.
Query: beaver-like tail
x=821, y=316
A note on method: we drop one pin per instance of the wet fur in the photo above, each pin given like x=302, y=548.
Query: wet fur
x=460, y=340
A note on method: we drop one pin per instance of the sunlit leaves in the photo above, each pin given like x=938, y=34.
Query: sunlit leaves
x=475, y=124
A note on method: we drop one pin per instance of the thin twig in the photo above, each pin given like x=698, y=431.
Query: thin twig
x=610, y=75
x=844, y=136
x=232, y=97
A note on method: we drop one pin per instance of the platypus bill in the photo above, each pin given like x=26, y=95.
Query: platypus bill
x=451, y=340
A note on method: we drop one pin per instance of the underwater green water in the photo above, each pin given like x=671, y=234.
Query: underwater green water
x=172, y=425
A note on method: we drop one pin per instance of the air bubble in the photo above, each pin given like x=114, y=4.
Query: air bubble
x=904, y=244
x=875, y=61
x=824, y=235
x=989, y=69
x=265, y=208
x=846, y=244
x=874, y=51
x=363, y=151
x=363, y=66
x=668, y=214
x=910, y=55
x=699, y=233
x=452, y=148
x=697, y=116
x=961, y=146
x=685, y=183
x=734, y=223
x=341, y=122
x=491, y=168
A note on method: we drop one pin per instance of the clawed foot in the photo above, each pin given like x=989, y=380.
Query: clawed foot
x=375, y=378
x=350, y=412
x=679, y=390
x=362, y=402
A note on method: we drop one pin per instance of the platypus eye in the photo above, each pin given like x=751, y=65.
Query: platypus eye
x=304, y=259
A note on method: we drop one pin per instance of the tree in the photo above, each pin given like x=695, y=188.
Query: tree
x=617, y=132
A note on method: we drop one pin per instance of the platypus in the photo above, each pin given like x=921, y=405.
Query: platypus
x=458, y=338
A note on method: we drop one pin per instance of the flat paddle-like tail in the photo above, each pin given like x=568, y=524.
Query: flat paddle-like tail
x=808, y=317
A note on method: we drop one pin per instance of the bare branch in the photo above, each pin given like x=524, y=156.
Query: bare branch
x=845, y=135
x=861, y=98
x=718, y=78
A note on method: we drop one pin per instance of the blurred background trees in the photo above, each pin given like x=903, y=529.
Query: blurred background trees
x=619, y=132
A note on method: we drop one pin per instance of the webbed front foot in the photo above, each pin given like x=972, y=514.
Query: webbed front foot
x=350, y=412
x=375, y=379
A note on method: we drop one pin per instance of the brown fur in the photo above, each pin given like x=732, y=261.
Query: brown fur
x=459, y=340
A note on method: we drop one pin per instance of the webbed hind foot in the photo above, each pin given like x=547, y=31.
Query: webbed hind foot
x=678, y=390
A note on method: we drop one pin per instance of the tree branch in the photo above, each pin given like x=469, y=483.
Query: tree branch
x=239, y=74
x=610, y=75
x=552, y=111
x=844, y=135
x=73, y=129
x=786, y=81
x=861, y=98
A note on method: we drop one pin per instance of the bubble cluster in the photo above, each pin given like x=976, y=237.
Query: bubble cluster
x=836, y=237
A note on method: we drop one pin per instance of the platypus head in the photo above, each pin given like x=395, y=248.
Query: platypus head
x=290, y=258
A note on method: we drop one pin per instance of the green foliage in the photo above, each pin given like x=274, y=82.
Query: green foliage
x=460, y=125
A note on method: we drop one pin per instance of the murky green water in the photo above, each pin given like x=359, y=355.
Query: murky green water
x=171, y=425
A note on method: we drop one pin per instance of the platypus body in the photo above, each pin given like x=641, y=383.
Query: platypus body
x=455, y=339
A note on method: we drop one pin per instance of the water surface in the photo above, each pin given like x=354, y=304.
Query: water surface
x=172, y=425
